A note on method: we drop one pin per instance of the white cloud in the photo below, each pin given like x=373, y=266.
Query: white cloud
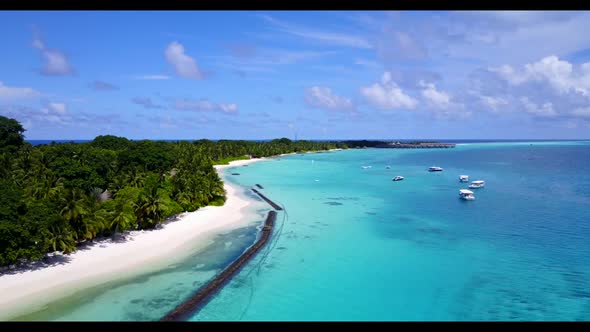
x=581, y=112
x=59, y=108
x=560, y=75
x=332, y=38
x=494, y=103
x=323, y=98
x=56, y=62
x=204, y=105
x=185, y=65
x=563, y=88
x=152, y=77
x=504, y=34
x=386, y=95
x=52, y=112
x=434, y=97
x=546, y=110
x=441, y=103
x=228, y=108
x=7, y=92
x=51, y=115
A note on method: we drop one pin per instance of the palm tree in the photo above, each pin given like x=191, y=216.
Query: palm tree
x=185, y=199
x=135, y=178
x=123, y=216
x=74, y=210
x=118, y=183
x=5, y=164
x=150, y=207
x=60, y=239
x=95, y=219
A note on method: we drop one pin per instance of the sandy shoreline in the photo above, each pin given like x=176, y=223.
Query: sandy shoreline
x=30, y=290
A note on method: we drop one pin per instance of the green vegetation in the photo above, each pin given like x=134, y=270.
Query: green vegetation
x=54, y=197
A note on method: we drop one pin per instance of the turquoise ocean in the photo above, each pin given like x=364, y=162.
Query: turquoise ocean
x=353, y=245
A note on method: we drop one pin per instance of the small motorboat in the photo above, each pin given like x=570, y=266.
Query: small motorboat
x=466, y=194
x=435, y=169
x=477, y=184
x=463, y=178
x=366, y=167
x=387, y=167
x=398, y=178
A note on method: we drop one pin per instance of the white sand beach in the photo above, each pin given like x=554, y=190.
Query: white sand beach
x=26, y=291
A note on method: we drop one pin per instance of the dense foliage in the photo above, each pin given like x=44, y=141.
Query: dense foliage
x=54, y=197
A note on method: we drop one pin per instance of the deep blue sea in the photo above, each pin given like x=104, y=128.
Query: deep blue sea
x=354, y=245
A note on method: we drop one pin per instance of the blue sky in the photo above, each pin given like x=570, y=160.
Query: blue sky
x=317, y=75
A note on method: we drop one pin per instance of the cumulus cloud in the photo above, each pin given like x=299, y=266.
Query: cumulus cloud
x=56, y=62
x=49, y=113
x=387, y=95
x=547, y=88
x=434, y=97
x=103, y=86
x=146, y=102
x=559, y=74
x=184, y=65
x=324, y=98
x=9, y=93
x=494, y=103
x=204, y=105
x=47, y=117
x=441, y=103
x=58, y=108
x=545, y=110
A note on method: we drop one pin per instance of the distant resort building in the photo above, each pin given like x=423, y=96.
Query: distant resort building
x=416, y=145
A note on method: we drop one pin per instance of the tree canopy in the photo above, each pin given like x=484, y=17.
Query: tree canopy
x=11, y=134
x=59, y=195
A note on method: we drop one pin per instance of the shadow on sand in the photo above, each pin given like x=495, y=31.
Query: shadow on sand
x=57, y=258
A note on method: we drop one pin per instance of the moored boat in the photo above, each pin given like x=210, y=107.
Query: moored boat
x=435, y=169
x=398, y=178
x=477, y=184
x=463, y=178
x=466, y=194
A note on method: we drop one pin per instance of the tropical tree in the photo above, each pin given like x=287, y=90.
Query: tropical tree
x=11, y=135
x=151, y=203
x=50, y=197
x=74, y=210
x=60, y=238
x=123, y=218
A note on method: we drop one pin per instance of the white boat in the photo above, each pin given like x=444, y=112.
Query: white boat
x=477, y=184
x=463, y=178
x=435, y=169
x=466, y=194
x=366, y=167
x=398, y=178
